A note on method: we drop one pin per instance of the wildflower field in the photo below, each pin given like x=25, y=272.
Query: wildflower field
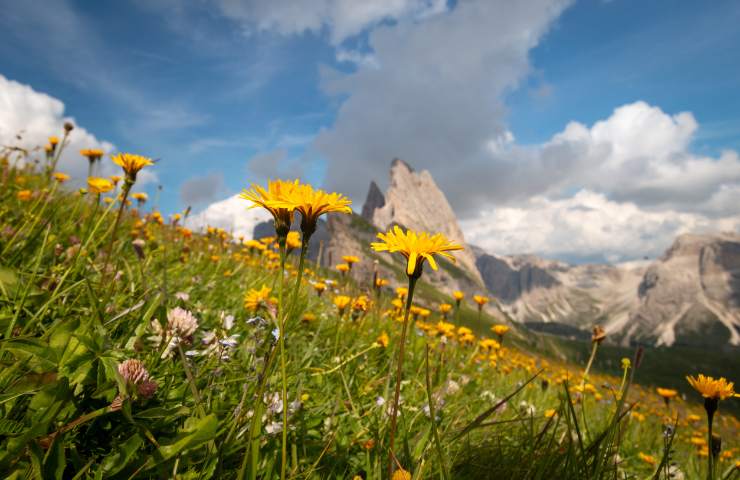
x=132, y=347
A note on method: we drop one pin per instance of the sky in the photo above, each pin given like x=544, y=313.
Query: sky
x=577, y=130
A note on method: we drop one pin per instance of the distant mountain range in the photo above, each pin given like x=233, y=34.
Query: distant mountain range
x=689, y=296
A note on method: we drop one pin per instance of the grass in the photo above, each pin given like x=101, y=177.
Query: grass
x=67, y=412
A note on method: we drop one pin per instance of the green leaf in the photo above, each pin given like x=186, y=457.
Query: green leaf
x=55, y=460
x=122, y=455
x=33, y=347
x=196, y=434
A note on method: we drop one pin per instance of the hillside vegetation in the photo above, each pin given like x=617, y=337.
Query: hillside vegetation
x=139, y=349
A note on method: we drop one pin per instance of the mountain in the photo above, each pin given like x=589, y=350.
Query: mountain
x=689, y=296
x=414, y=201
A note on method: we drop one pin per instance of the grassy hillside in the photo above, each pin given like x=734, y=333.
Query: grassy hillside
x=77, y=305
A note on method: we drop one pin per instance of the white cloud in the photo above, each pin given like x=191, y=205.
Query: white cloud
x=232, y=214
x=433, y=96
x=35, y=116
x=342, y=18
x=584, y=227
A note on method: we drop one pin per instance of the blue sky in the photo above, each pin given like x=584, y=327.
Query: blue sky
x=227, y=92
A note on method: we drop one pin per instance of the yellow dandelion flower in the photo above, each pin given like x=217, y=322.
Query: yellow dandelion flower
x=709, y=387
x=258, y=298
x=61, y=177
x=293, y=240
x=131, y=164
x=341, y=301
x=383, y=340
x=666, y=393
x=342, y=267
x=500, y=330
x=458, y=295
x=312, y=203
x=415, y=247
x=647, y=458
x=276, y=200
x=24, y=195
x=401, y=474
x=350, y=259
x=53, y=140
x=445, y=308
x=480, y=300
x=99, y=185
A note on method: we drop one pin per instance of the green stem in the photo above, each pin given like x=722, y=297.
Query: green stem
x=437, y=443
x=710, y=457
x=590, y=362
x=191, y=381
x=283, y=371
x=399, y=374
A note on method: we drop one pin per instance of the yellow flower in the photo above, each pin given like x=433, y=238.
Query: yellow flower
x=293, y=240
x=99, y=185
x=444, y=308
x=258, y=298
x=350, y=259
x=415, y=247
x=53, y=140
x=92, y=154
x=308, y=317
x=666, y=393
x=383, y=340
x=647, y=458
x=401, y=474
x=500, y=330
x=61, y=177
x=693, y=418
x=480, y=300
x=319, y=287
x=718, y=389
x=24, y=195
x=312, y=203
x=381, y=282
x=361, y=304
x=402, y=292
x=131, y=164
x=342, y=267
x=550, y=412
x=115, y=179
x=140, y=197
x=458, y=295
x=341, y=301
x=276, y=200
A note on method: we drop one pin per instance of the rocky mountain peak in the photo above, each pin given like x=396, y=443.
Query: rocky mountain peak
x=413, y=200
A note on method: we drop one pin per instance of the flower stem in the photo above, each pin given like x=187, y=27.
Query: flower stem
x=710, y=457
x=590, y=362
x=432, y=413
x=282, y=314
x=399, y=374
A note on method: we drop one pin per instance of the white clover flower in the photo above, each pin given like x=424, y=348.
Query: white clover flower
x=181, y=322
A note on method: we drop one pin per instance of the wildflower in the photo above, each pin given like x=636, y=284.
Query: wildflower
x=343, y=268
x=444, y=309
x=292, y=241
x=667, y=394
x=274, y=199
x=500, y=330
x=458, y=296
x=550, y=412
x=626, y=363
x=361, y=304
x=258, y=298
x=598, y=335
x=415, y=247
x=401, y=474
x=319, y=287
x=135, y=375
x=308, y=317
x=140, y=197
x=341, y=301
x=312, y=203
x=381, y=282
x=383, y=340
x=53, y=141
x=99, y=185
x=713, y=390
x=61, y=177
x=131, y=164
x=350, y=260
x=116, y=179
x=24, y=195
x=647, y=458
x=181, y=322
x=480, y=300
x=402, y=292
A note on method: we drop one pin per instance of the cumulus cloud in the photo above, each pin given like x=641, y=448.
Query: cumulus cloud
x=433, y=96
x=586, y=226
x=231, y=214
x=342, y=18
x=202, y=189
x=28, y=118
